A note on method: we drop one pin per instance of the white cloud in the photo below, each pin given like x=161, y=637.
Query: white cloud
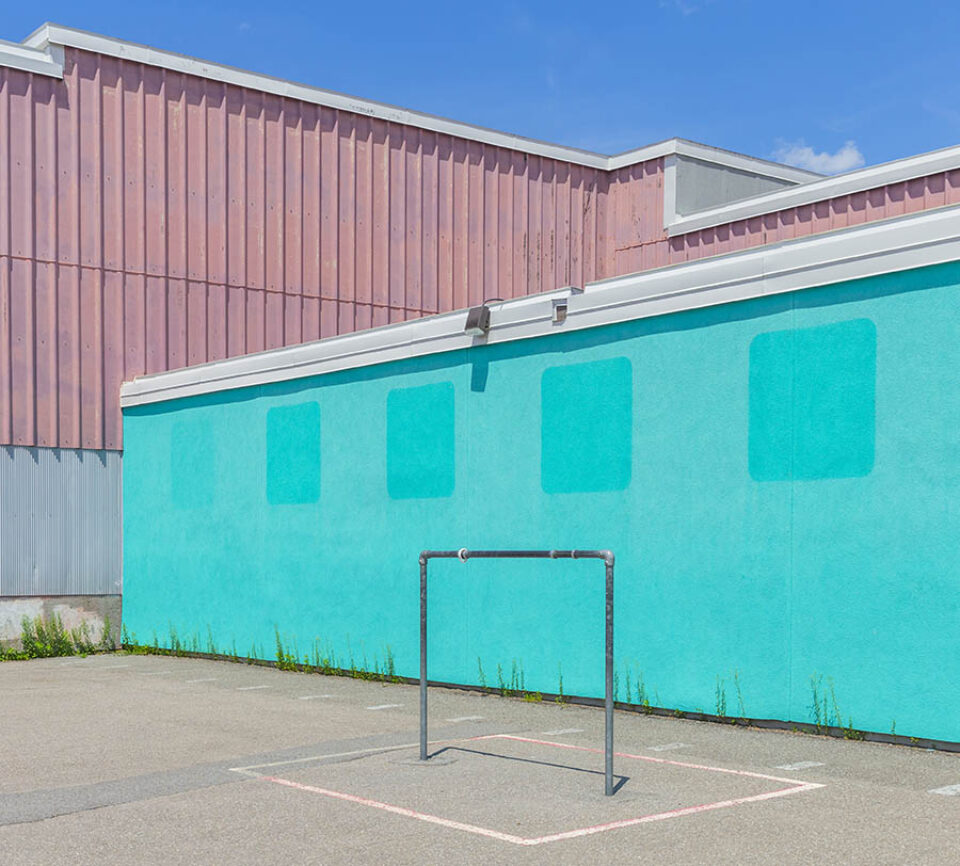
x=797, y=153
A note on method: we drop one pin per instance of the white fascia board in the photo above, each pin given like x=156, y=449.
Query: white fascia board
x=16, y=56
x=401, y=340
x=888, y=246
x=750, y=164
x=716, y=156
x=58, y=35
x=55, y=34
x=388, y=343
x=913, y=241
x=657, y=150
x=861, y=180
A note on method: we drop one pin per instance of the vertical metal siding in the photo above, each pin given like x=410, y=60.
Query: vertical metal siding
x=60, y=521
x=636, y=210
x=847, y=210
x=150, y=220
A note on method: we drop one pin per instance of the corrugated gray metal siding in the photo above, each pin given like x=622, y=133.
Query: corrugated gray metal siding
x=60, y=521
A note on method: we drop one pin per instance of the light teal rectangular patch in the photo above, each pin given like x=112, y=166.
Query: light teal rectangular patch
x=420, y=442
x=193, y=464
x=812, y=402
x=293, y=454
x=586, y=428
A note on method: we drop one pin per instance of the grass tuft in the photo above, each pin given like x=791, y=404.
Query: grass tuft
x=43, y=638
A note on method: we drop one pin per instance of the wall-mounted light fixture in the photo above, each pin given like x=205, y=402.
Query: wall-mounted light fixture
x=478, y=319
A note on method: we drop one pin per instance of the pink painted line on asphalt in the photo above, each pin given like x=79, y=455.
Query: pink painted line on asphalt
x=400, y=810
x=796, y=787
x=689, y=766
x=673, y=813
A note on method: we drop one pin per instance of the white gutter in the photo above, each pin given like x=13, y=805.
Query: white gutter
x=917, y=240
x=863, y=179
x=42, y=53
x=717, y=156
x=36, y=60
x=56, y=35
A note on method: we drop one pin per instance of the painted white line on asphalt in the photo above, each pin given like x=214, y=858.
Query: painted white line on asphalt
x=465, y=719
x=157, y=673
x=560, y=731
x=384, y=706
x=800, y=765
x=204, y=680
x=312, y=697
x=947, y=791
x=668, y=747
x=250, y=688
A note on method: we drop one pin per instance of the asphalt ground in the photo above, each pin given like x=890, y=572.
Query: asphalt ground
x=145, y=759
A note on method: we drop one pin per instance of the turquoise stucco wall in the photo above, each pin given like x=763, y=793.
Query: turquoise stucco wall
x=779, y=479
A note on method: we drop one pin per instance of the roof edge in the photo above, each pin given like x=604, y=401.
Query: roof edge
x=50, y=34
x=872, y=249
x=726, y=158
x=14, y=55
x=820, y=190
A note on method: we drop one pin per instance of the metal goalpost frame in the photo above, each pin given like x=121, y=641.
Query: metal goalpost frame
x=463, y=555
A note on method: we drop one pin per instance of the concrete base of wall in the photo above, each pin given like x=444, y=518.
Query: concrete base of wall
x=73, y=610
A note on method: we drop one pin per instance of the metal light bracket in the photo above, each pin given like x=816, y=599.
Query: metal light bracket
x=478, y=321
x=559, y=311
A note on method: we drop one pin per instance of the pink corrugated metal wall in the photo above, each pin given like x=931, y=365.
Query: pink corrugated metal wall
x=847, y=210
x=150, y=220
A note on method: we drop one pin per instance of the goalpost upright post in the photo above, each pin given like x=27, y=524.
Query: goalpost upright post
x=463, y=555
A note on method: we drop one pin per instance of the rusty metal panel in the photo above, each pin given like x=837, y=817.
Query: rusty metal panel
x=60, y=526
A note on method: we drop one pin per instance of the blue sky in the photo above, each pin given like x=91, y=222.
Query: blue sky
x=826, y=85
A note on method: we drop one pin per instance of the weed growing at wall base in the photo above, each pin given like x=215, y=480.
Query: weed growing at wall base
x=322, y=659
x=826, y=711
x=286, y=661
x=721, y=698
x=740, y=705
x=47, y=638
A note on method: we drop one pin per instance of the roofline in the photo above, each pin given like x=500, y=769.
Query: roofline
x=59, y=36
x=718, y=156
x=13, y=55
x=887, y=246
x=823, y=189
